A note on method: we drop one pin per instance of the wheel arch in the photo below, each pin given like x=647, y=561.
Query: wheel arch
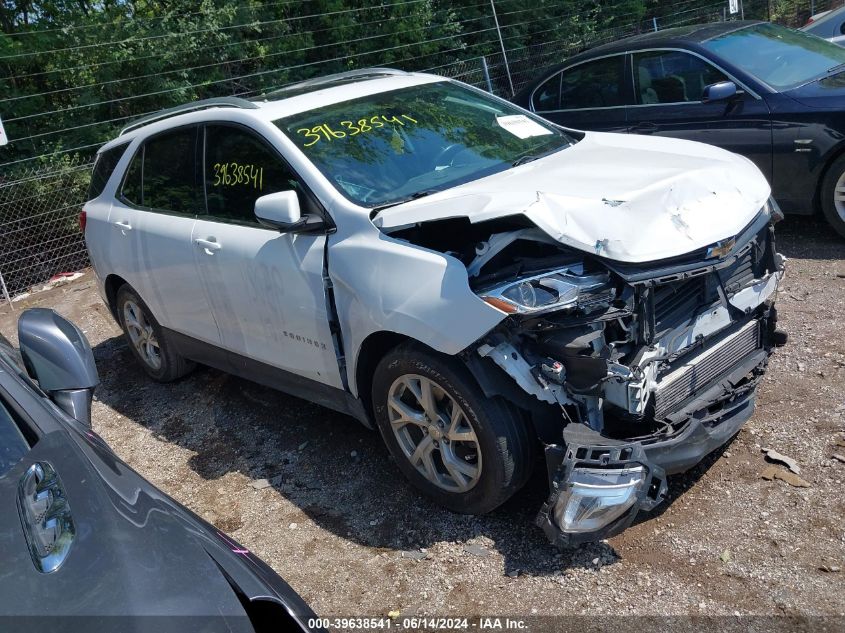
x=112, y=284
x=372, y=350
x=542, y=419
x=829, y=159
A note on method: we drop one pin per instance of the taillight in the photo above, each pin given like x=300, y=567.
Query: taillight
x=83, y=220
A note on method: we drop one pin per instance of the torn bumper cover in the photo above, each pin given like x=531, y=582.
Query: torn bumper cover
x=599, y=484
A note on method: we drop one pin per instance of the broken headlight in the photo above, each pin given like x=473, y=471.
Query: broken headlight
x=565, y=288
x=772, y=209
x=595, y=497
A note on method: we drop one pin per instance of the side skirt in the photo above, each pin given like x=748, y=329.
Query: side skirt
x=269, y=376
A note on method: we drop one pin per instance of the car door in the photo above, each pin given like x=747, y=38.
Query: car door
x=153, y=218
x=668, y=87
x=590, y=95
x=266, y=288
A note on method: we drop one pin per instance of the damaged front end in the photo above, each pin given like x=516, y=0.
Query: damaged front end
x=631, y=372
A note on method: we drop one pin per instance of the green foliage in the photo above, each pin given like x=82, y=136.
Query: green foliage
x=73, y=72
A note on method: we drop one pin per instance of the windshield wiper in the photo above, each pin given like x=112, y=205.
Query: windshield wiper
x=414, y=196
x=836, y=68
x=524, y=159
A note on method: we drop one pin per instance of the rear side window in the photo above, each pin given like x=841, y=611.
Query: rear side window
x=163, y=174
x=547, y=96
x=103, y=168
x=239, y=169
x=596, y=84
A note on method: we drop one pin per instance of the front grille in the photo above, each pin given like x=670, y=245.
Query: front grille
x=705, y=367
x=741, y=272
x=678, y=302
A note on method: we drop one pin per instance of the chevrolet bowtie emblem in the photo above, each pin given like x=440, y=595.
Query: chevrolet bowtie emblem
x=722, y=248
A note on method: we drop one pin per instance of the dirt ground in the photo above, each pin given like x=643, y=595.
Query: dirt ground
x=316, y=496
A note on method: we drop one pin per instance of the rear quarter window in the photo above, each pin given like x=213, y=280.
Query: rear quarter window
x=103, y=169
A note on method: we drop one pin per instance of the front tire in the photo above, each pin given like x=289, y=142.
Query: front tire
x=147, y=340
x=833, y=195
x=468, y=452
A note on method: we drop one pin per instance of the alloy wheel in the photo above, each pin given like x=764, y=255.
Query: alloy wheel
x=142, y=335
x=839, y=196
x=434, y=433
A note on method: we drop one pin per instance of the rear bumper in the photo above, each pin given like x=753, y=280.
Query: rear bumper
x=711, y=420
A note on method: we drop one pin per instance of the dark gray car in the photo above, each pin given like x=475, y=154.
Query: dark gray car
x=85, y=542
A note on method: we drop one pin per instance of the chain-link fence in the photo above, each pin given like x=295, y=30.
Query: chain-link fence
x=39, y=223
x=39, y=205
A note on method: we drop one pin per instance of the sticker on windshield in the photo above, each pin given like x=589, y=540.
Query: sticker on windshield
x=521, y=126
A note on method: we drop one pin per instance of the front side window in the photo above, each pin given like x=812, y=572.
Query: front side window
x=163, y=174
x=392, y=146
x=239, y=169
x=596, y=84
x=783, y=58
x=672, y=77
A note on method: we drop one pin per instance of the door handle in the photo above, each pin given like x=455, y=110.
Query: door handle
x=209, y=246
x=644, y=128
x=123, y=225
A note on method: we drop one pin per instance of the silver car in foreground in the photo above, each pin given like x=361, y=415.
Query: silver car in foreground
x=474, y=281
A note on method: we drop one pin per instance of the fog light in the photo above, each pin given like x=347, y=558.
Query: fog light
x=596, y=497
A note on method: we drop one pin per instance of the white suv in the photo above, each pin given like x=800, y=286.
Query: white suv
x=471, y=279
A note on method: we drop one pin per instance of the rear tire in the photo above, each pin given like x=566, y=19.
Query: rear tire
x=147, y=340
x=833, y=195
x=468, y=452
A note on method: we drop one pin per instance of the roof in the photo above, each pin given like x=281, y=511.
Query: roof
x=692, y=34
x=822, y=18
x=676, y=37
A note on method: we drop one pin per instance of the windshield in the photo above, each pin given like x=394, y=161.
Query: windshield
x=393, y=146
x=780, y=57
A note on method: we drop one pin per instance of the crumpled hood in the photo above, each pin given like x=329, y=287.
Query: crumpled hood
x=625, y=197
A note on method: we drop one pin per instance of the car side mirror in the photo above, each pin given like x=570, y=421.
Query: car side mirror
x=279, y=211
x=721, y=91
x=56, y=354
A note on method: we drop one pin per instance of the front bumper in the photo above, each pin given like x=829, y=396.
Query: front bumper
x=578, y=511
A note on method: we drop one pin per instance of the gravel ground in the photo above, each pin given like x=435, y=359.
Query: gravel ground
x=315, y=494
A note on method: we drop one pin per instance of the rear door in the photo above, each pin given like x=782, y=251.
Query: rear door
x=266, y=288
x=668, y=87
x=152, y=221
x=590, y=95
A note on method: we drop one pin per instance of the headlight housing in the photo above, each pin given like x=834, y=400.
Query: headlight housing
x=596, y=497
x=554, y=290
x=771, y=207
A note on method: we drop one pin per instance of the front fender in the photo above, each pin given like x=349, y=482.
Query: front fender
x=382, y=284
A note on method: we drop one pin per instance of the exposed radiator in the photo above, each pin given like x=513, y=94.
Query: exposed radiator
x=705, y=367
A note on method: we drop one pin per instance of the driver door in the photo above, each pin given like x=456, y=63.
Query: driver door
x=265, y=288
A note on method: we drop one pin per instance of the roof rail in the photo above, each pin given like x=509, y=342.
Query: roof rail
x=203, y=104
x=360, y=73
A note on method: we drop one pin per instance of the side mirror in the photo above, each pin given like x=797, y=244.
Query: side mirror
x=721, y=91
x=56, y=353
x=279, y=211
